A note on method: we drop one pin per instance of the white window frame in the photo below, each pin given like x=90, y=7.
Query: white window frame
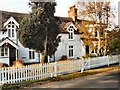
x=71, y=51
x=11, y=30
x=71, y=33
x=4, y=51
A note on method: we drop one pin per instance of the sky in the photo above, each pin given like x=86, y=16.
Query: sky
x=61, y=8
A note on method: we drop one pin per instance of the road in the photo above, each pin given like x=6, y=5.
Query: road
x=102, y=80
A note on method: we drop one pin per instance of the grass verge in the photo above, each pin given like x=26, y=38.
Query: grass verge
x=59, y=78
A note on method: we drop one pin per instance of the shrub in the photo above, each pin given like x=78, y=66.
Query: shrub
x=3, y=65
x=89, y=56
x=18, y=63
x=64, y=57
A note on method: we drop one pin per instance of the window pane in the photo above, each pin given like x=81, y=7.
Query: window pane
x=29, y=54
x=9, y=33
x=70, y=51
x=2, y=51
x=9, y=26
x=71, y=35
x=33, y=55
x=12, y=32
x=6, y=52
x=12, y=26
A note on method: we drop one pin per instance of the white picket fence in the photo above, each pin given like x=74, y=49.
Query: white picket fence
x=42, y=71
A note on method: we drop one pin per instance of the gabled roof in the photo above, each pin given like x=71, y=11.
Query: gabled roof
x=9, y=20
x=7, y=40
x=65, y=21
x=5, y=15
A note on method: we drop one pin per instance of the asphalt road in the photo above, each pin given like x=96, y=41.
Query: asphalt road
x=103, y=80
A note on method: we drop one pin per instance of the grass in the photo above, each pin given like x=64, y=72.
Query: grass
x=59, y=78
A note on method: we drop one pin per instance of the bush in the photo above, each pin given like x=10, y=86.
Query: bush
x=18, y=63
x=3, y=65
x=89, y=56
x=64, y=57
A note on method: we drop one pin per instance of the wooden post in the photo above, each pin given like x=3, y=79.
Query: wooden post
x=82, y=69
x=89, y=63
x=55, y=69
x=108, y=60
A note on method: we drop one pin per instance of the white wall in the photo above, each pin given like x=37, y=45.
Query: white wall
x=3, y=35
x=4, y=60
x=23, y=53
x=63, y=48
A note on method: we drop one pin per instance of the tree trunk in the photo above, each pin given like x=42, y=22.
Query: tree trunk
x=44, y=54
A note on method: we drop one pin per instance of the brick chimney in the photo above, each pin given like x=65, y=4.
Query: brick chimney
x=72, y=13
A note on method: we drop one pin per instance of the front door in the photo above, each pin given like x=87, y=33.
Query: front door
x=12, y=53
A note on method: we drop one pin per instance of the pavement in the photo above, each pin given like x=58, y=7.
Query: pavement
x=103, y=80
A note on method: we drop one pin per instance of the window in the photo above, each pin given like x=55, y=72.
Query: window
x=71, y=32
x=4, y=51
x=71, y=51
x=11, y=29
x=71, y=35
x=31, y=55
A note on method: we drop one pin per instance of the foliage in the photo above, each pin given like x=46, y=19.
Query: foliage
x=39, y=30
x=89, y=56
x=64, y=57
x=114, y=42
x=18, y=63
x=3, y=65
x=86, y=34
x=100, y=13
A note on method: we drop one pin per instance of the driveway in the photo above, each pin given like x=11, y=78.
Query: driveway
x=102, y=80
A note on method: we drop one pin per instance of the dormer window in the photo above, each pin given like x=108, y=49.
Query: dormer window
x=71, y=33
x=11, y=30
x=11, y=24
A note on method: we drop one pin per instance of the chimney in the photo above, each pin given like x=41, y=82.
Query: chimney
x=72, y=13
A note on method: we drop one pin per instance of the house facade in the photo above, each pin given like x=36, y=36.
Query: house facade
x=71, y=43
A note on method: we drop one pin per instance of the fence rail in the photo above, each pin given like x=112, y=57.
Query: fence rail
x=42, y=71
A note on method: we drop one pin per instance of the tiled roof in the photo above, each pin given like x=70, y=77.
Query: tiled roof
x=5, y=15
x=65, y=21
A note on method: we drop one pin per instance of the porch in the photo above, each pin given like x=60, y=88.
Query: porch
x=8, y=51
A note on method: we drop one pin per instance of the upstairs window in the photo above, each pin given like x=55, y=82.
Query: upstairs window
x=11, y=31
x=31, y=55
x=71, y=33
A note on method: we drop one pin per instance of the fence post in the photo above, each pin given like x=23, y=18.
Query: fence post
x=79, y=64
x=55, y=69
x=82, y=69
x=108, y=61
x=89, y=62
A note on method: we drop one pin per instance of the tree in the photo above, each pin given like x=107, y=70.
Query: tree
x=100, y=13
x=40, y=29
x=114, y=42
